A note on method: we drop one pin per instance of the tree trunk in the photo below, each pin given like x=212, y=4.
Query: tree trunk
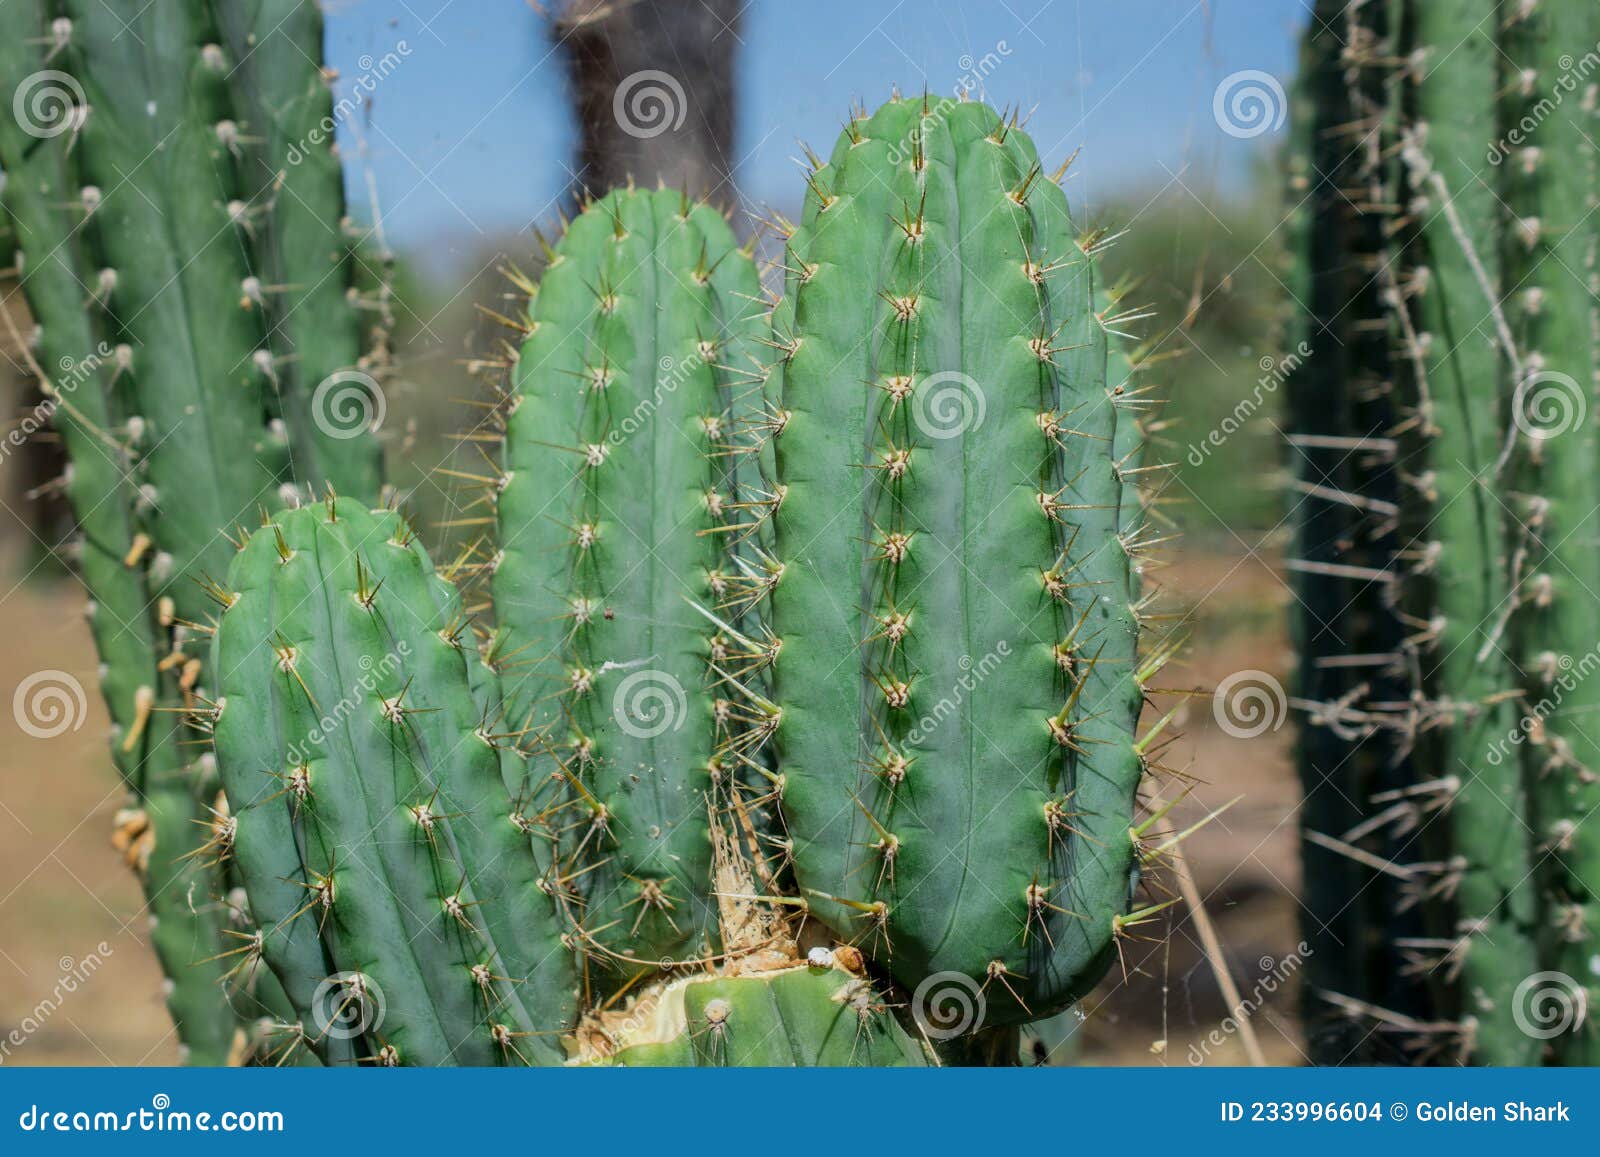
x=654, y=84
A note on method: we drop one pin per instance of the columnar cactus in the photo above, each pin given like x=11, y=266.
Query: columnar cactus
x=87, y=375
x=346, y=727
x=1342, y=417
x=293, y=187
x=1487, y=299
x=179, y=284
x=953, y=591
x=617, y=520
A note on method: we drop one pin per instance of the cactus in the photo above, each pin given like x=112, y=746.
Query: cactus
x=696, y=796
x=804, y=1015
x=1341, y=259
x=616, y=518
x=948, y=533
x=151, y=292
x=294, y=185
x=86, y=389
x=1487, y=302
x=338, y=658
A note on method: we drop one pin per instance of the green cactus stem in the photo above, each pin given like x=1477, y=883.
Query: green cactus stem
x=347, y=733
x=87, y=373
x=617, y=519
x=951, y=574
x=293, y=185
x=1550, y=187
x=802, y=1015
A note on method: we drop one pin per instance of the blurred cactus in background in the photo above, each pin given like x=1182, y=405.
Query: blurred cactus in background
x=1447, y=186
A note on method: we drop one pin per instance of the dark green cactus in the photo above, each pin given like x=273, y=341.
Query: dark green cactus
x=1480, y=186
x=87, y=376
x=959, y=680
x=616, y=518
x=1342, y=418
x=1549, y=190
x=156, y=280
x=346, y=727
x=293, y=184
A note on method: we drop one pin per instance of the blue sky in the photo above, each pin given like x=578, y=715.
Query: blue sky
x=468, y=134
